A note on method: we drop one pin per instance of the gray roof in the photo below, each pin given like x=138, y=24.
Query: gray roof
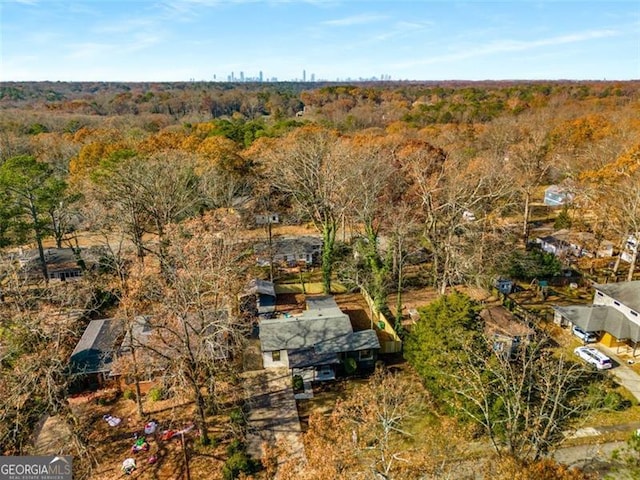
x=309, y=357
x=289, y=333
x=291, y=245
x=601, y=318
x=627, y=293
x=141, y=331
x=94, y=352
x=262, y=287
x=499, y=320
x=319, y=302
x=351, y=342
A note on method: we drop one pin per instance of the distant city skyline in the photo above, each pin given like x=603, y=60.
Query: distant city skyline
x=318, y=40
x=260, y=77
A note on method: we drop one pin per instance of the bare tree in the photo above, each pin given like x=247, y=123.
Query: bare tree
x=523, y=403
x=197, y=330
x=371, y=183
x=457, y=195
x=149, y=194
x=371, y=434
x=307, y=166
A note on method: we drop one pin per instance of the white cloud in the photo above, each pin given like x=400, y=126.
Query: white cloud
x=506, y=46
x=355, y=20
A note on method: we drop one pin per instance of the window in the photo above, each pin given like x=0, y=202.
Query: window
x=275, y=355
x=635, y=314
x=600, y=294
x=617, y=304
x=366, y=354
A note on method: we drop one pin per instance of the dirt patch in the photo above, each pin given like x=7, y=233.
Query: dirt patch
x=292, y=303
x=111, y=445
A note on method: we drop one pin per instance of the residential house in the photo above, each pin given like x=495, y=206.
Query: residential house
x=92, y=358
x=63, y=264
x=506, y=332
x=564, y=243
x=630, y=249
x=289, y=250
x=317, y=344
x=614, y=313
x=149, y=366
x=555, y=196
x=155, y=345
x=259, y=299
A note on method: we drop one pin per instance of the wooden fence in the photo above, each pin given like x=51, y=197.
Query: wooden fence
x=382, y=324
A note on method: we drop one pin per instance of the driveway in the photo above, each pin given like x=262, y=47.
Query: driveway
x=627, y=377
x=273, y=416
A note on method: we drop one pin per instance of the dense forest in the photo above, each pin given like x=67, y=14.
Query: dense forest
x=166, y=178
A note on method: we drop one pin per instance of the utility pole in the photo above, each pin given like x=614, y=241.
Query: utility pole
x=186, y=458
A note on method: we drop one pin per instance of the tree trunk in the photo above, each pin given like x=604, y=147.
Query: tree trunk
x=202, y=416
x=527, y=213
x=398, y=325
x=38, y=236
x=632, y=265
x=270, y=243
x=328, y=239
x=57, y=229
x=616, y=266
x=136, y=379
x=378, y=270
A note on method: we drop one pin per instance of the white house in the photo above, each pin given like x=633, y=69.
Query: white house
x=577, y=244
x=614, y=313
x=556, y=195
x=630, y=248
x=289, y=250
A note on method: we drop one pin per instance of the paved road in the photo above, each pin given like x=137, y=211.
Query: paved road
x=273, y=416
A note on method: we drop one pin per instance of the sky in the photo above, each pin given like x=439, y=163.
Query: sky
x=207, y=40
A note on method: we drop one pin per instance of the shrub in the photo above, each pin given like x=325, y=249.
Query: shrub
x=129, y=394
x=237, y=416
x=155, y=394
x=235, y=446
x=238, y=463
x=350, y=365
x=298, y=383
x=615, y=401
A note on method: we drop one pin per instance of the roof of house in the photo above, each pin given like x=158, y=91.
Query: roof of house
x=597, y=318
x=350, y=342
x=320, y=302
x=140, y=333
x=500, y=320
x=95, y=351
x=627, y=293
x=261, y=287
x=309, y=357
x=322, y=326
x=291, y=244
x=302, y=331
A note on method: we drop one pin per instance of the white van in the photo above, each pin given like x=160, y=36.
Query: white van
x=594, y=357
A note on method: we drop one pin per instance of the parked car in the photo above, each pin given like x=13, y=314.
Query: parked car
x=586, y=337
x=594, y=357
